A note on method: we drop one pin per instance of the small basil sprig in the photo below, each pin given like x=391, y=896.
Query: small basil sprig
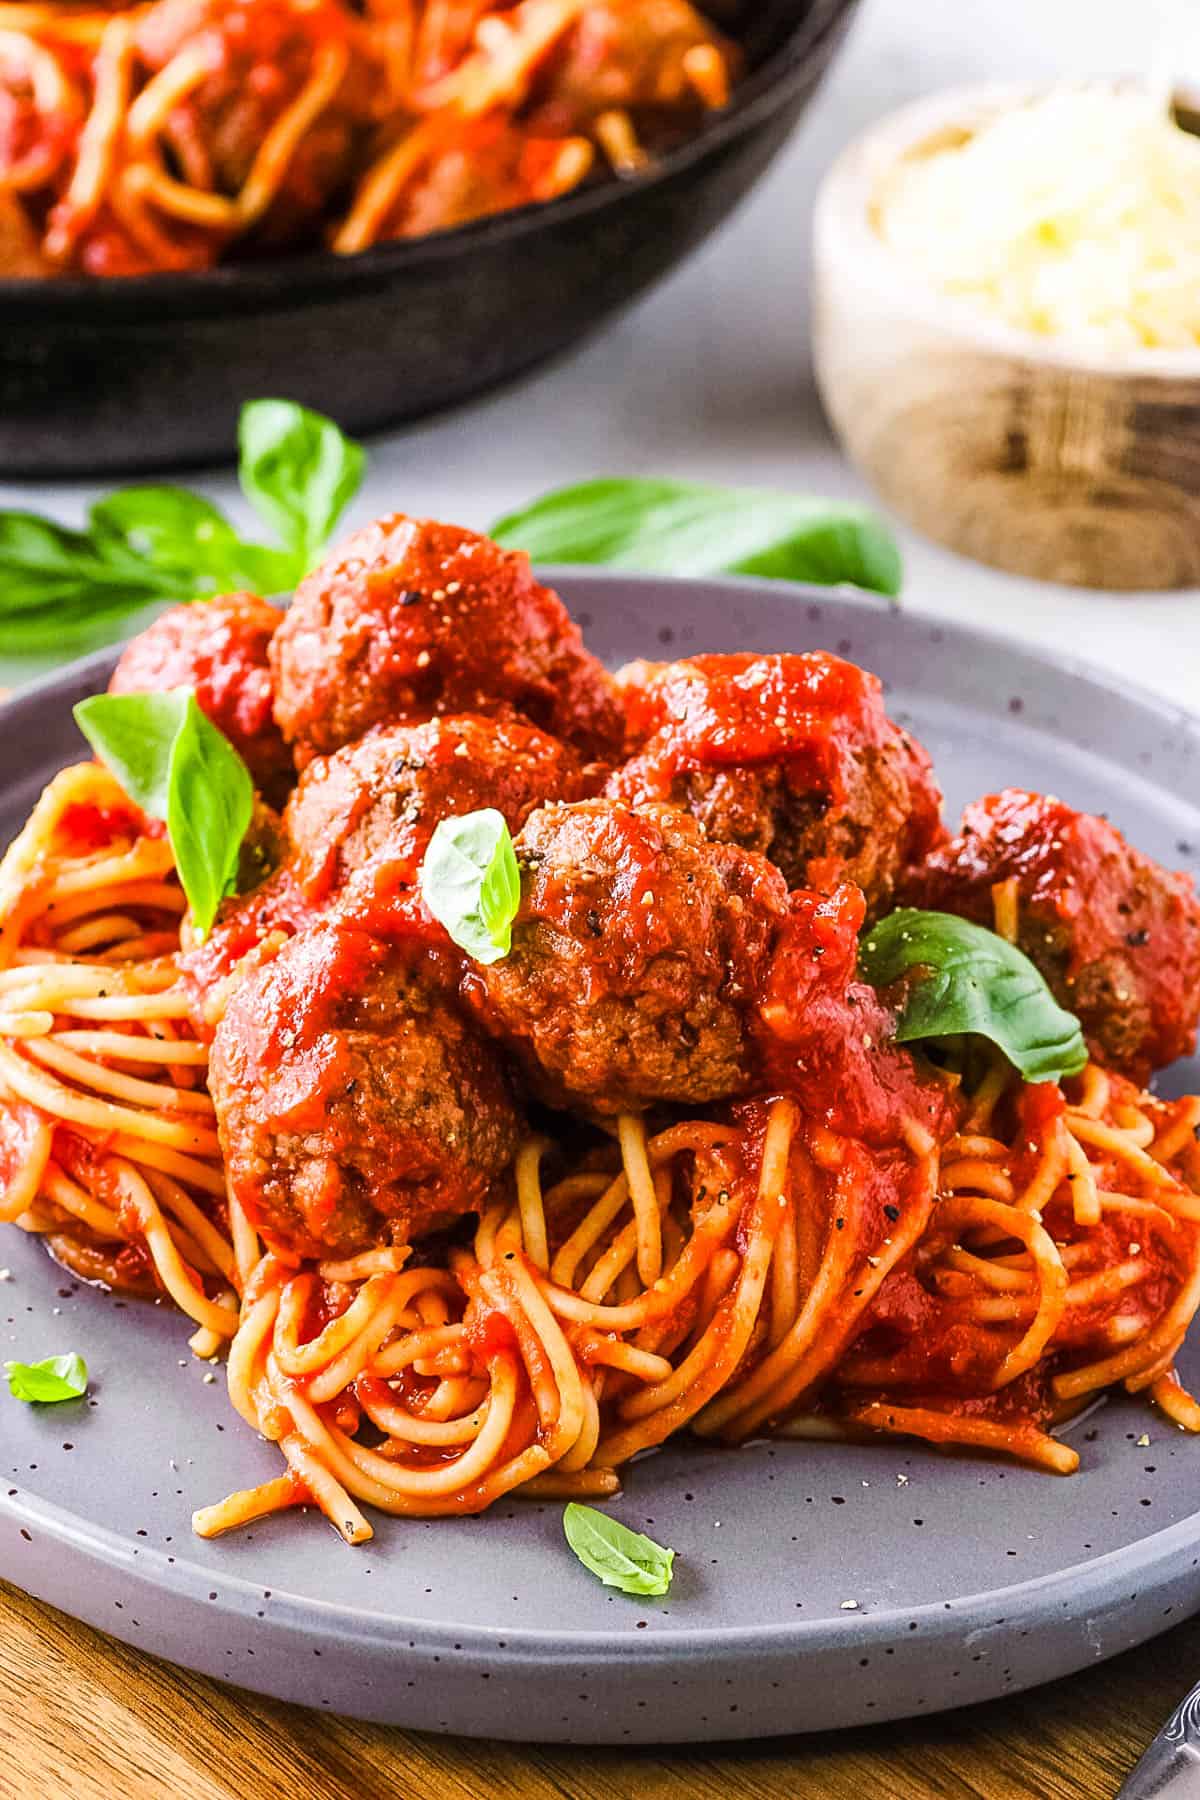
x=964, y=979
x=55, y=1378
x=176, y=766
x=687, y=528
x=300, y=471
x=470, y=882
x=621, y=1558
x=63, y=590
x=185, y=539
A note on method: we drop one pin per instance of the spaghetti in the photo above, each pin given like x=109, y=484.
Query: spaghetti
x=745, y=1273
x=182, y=133
x=110, y=1148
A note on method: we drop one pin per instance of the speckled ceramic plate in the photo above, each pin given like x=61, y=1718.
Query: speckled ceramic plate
x=816, y=1586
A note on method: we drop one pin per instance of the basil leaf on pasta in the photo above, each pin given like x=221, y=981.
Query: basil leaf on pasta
x=619, y=1557
x=135, y=741
x=173, y=762
x=960, y=978
x=299, y=471
x=210, y=801
x=470, y=882
x=54, y=1378
x=689, y=528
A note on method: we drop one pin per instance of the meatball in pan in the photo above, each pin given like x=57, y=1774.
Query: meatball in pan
x=260, y=56
x=661, y=61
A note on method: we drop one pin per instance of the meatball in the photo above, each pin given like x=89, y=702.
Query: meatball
x=411, y=619
x=261, y=56
x=491, y=165
x=376, y=803
x=355, y=1105
x=218, y=648
x=792, y=756
x=661, y=60
x=249, y=928
x=635, y=957
x=1116, y=936
x=42, y=113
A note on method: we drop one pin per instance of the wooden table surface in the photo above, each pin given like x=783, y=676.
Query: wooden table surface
x=84, y=1717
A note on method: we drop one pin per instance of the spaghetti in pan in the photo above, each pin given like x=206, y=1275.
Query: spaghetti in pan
x=583, y=1060
x=182, y=133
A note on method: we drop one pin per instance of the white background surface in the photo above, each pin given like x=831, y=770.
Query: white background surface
x=710, y=376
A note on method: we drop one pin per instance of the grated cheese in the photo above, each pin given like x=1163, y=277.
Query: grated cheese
x=1076, y=216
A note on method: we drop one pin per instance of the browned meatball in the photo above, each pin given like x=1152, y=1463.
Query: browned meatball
x=1116, y=936
x=411, y=619
x=661, y=60
x=260, y=55
x=792, y=756
x=355, y=1105
x=375, y=804
x=492, y=164
x=218, y=648
x=636, y=956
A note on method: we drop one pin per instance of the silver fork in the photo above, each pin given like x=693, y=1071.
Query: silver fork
x=1170, y=1769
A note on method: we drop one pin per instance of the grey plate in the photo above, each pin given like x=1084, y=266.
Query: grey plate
x=970, y=1578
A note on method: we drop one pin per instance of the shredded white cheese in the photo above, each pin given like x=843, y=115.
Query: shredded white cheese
x=1076, y=216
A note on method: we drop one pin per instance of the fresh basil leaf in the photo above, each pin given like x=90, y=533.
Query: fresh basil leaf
x=35, y=551
x=55, y=1378
x=470, y=882
x=188, y=541
x=965, y=979
x=63, y=591
x=45, y=566
x=687, y=528
x=300, y=472
x=209, y=807
x=64, y=631
x=136, y=742
x=621, y=1558
x=173, y=762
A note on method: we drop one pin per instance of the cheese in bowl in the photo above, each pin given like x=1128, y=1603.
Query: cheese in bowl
x=1006, y=327
x=1074, y=216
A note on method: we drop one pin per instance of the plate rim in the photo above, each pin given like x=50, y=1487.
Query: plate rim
x=305, y=1616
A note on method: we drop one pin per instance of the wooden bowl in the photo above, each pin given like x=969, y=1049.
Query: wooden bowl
x=1023, y=452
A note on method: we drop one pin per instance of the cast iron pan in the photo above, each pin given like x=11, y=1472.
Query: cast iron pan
x=149, y=373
